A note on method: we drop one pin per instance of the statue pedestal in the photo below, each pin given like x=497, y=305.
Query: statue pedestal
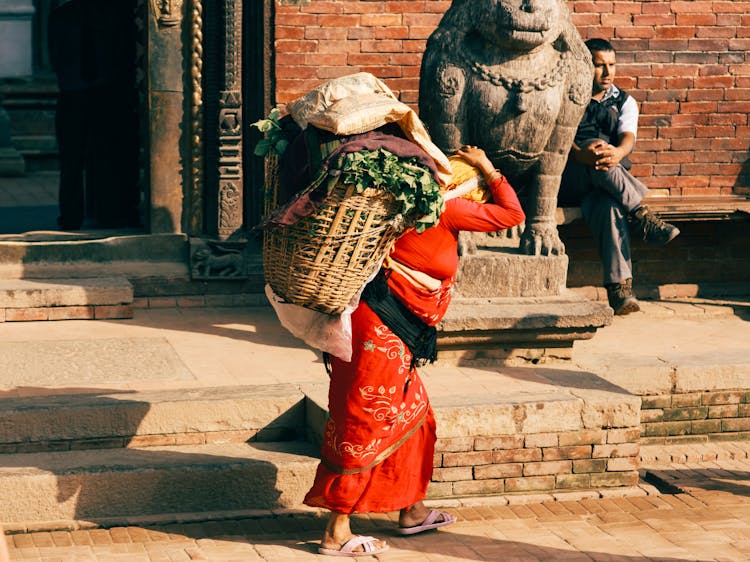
x=512, y=308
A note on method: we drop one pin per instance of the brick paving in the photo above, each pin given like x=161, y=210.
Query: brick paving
x=694, y=504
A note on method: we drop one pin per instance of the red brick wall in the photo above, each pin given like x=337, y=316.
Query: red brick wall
x=685, y=62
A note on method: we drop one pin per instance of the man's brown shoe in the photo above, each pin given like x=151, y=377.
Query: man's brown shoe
x=652, y=228
x=621, y=299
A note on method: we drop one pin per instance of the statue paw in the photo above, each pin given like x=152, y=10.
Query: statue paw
x=515, y=232
x=542, y=240
x=466, y=244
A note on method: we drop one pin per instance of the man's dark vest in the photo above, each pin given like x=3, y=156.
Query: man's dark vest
x=600, y=122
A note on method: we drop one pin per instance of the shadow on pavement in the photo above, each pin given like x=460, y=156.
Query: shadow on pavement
x=739, y=305
x=735, y=484
x=567, y=378
x=302, y=533
x=257, y=324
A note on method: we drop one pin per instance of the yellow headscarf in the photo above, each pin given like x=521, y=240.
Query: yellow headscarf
x=463, y=172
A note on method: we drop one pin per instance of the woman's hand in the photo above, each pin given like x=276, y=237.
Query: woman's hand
x=476, y=157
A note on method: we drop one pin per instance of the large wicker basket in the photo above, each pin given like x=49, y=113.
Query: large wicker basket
x=323, y=260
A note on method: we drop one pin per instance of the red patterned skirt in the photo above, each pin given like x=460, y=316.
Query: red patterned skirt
x=379, y=441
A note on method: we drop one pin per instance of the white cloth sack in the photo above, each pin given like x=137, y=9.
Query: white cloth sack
x=326, y=332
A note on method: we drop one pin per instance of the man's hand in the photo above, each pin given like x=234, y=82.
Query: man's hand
x=600, y=155
x=608, y=156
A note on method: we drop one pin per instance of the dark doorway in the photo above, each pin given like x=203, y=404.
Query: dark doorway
x=257, y=96
x=75, y=123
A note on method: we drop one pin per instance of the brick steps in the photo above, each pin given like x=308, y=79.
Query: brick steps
x=694, y=384
x=552, y=431
x=65, y=299
x=525, y=430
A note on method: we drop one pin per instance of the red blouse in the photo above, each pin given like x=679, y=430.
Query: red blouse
x=435, y=251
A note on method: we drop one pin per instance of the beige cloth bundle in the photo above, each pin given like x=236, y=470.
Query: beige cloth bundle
x=358, y=103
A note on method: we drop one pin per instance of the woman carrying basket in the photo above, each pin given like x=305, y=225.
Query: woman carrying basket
x=377, y=453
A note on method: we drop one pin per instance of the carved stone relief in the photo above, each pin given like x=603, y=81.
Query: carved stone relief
x=168, y=13
x=230, y=163
x=230, y=204
x=195, y=194
x=216, y=260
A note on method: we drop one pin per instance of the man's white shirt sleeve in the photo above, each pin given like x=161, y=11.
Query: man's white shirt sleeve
x=628, y=119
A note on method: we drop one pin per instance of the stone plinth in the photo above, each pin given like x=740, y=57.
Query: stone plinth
x=506, y=272
x=518, y=329
x=511, y=307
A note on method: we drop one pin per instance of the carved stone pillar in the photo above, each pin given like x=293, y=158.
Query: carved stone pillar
x=221, y=253
x=166, y=66
x=230, y=193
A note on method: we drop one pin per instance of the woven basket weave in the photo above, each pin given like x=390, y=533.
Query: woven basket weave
x=323, y=260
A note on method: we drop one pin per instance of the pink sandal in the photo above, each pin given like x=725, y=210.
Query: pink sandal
x=347, y=549
x=430, y=522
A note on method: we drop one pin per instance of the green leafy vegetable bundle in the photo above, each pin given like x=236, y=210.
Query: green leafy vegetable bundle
x=273, y=134
x=409, y=182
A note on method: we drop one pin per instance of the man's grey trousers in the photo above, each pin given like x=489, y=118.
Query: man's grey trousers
x=606, y=199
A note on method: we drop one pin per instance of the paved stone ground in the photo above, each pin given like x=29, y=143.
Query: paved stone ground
x=698, y=509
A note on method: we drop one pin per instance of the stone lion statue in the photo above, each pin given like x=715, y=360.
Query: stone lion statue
x=513, y=77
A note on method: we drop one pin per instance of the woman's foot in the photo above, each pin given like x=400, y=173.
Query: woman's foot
x=338, y=537
x=358, y=545
x=419, y=518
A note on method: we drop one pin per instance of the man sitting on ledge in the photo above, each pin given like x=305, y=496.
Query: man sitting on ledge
x=597, y=178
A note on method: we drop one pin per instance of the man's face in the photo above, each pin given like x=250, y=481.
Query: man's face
x=604, y=70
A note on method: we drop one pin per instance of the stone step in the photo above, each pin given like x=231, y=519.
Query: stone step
x=65, y=299
x=39, y=144
x=40, y=152
x=118, y=486
x=27, y=293
x=64, y=422
x=93, y=254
